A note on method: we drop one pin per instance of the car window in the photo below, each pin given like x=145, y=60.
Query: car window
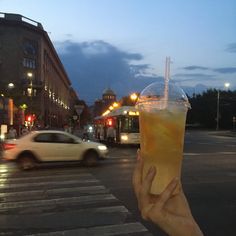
x=44, y=138
x=62, y=138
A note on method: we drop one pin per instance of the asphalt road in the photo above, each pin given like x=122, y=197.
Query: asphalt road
x=208, y=177
x=68, y=199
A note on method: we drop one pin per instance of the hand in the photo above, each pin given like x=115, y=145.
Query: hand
x=170, y=212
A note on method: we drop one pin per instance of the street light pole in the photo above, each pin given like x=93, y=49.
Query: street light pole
x=226, y=85
x=11, y=104
x=218, y=110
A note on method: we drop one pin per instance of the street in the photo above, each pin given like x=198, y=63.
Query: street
x=69, y=199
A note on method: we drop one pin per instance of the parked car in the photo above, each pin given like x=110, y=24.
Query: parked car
x=51, y=145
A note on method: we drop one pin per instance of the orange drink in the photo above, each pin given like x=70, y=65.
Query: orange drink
x=162, y=128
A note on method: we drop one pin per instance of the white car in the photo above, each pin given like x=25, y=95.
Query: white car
x=50, y=145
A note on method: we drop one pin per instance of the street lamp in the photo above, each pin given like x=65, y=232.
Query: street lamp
x=11, y=85
x=133, y=97
x=10, y=104
x=226, y=85
x=30, y=89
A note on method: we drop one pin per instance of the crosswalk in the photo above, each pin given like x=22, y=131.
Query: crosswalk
x=61, y=201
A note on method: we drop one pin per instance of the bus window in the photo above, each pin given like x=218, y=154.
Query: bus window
x=129, y=124
x=135, y=124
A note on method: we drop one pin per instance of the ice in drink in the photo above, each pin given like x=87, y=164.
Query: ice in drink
x=162, y=128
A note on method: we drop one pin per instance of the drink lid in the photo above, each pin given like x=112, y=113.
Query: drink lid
x=162, y=94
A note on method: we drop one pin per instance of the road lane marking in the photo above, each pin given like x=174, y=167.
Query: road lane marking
x=49, y=201
x=4, y=185
x=228, y=153
x=37, y=178
x=208, y=153
x=9, y=196
x=58, y=201
x=192, y=154
x=108, y=230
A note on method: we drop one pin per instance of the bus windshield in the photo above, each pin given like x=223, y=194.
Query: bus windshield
x=129, y=124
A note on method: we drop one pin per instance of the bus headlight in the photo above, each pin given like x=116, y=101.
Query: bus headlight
x=102, y=147
x=124, y=137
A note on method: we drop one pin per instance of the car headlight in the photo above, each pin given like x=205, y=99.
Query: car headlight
x=102, y=147
x=124, y=137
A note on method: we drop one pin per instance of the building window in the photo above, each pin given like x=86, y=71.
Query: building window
x=29, y=63
x=29, y=47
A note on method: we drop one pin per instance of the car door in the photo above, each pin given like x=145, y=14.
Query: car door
x=68, y=149
x=45, y=147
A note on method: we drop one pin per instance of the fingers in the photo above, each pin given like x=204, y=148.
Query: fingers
x=137, y=175
x=157, y=214
x=144, y=195
x=146, y=186
x=168, y=192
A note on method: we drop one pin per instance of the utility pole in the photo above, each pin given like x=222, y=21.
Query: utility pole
x=218, y=110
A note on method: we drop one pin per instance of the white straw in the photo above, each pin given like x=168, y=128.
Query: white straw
x=167, y=76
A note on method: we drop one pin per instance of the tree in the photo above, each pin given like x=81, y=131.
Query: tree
x=204, y=108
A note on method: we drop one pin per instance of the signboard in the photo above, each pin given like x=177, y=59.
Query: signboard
x=79, y=109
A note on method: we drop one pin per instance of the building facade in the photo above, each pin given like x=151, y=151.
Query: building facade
x=101, y=105
x=31, y=73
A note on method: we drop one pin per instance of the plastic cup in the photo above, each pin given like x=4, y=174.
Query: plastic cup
x=162, y=116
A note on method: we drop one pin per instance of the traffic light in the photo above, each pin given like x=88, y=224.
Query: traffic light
x=30, y=118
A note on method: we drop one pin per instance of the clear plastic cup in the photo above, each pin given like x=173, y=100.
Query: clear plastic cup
x=162, y=115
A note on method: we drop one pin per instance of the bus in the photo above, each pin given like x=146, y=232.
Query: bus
x=125, y=122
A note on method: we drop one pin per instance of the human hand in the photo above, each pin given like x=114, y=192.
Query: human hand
x=170, y=212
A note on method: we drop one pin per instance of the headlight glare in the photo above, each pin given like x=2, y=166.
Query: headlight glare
x=102, y=147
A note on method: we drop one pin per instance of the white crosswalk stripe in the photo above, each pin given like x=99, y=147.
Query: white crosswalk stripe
x=61, y=202
x=101, y=230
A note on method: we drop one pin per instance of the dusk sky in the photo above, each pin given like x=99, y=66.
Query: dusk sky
x=122, y=44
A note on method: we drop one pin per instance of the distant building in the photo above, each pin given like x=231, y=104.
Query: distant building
x=31, y=72
x=101, y=105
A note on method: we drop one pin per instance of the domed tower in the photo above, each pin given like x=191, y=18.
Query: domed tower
x=108, y=97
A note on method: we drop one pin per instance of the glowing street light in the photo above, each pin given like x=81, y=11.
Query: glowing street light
x=30, y=74
x=133, y=96
x=227, y=85
x=11, y=85
x=115, y=104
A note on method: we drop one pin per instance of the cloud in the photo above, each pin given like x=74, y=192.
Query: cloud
x=94, y=66
x=222, y=70
x=231, y=48
x=225, y=70
x=195, y=68
x=181, y=77
x=192, y=75
x=69, y=35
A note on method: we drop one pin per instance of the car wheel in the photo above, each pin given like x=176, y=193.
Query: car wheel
x=90, y=159
x=26, y=162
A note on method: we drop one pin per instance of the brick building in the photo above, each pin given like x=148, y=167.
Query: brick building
x=31, y=72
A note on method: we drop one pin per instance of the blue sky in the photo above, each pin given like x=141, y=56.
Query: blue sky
x=122, y=44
